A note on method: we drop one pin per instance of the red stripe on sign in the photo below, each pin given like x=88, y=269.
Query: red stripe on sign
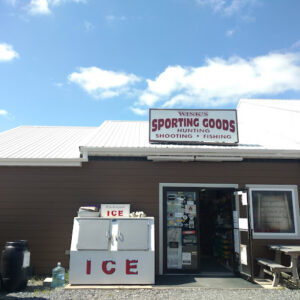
x=88, y=267
x=188, y=232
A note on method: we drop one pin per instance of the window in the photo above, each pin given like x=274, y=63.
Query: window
x=274, y=211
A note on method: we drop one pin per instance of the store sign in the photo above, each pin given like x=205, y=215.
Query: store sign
x=195, y=126
x=115, y=210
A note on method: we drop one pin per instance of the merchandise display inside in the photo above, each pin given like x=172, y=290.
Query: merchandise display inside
x=216, y=227
x=199, y=230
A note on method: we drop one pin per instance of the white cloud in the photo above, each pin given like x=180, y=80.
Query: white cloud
x=58, y=84
x=219, y=81
x=216, y=5
x=11, y=2
x=227, y=7
x=168, y=80
x=102, y=83
x=148, y=98
x=139, y=111
x=59, y=2
x=230, y=32
x=42, y=7
x=7, y=52
x=39, y=7
x=236, y=5
x=114, y=18
x=3, y=112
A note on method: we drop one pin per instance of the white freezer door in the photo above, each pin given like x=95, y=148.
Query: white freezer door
x=93, y=234
x=133, y=234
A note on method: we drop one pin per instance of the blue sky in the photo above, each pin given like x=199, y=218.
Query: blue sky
x=80, y=62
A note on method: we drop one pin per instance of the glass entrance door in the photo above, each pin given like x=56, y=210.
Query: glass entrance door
x=182, y=236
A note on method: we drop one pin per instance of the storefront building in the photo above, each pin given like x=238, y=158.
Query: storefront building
x=216, y=205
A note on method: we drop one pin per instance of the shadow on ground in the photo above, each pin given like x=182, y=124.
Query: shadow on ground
x=205, y=282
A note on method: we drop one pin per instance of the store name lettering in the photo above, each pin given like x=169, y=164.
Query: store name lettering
x=109, y=267
x=210, y=123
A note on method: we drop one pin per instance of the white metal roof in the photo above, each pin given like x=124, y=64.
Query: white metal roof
x=43, y=145
x=267, y=129
x=270, y=124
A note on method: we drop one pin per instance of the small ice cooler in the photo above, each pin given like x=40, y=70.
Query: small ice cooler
x=112, y=251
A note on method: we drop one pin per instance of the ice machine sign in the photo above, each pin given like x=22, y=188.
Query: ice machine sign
x=115, y=210
x=109, y=267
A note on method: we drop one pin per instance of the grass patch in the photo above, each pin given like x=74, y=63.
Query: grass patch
x=41, y=291
x=35, y=278
x=67, y=277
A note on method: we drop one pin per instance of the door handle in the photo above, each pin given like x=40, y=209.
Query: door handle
x=120, y=236
x=115, y=237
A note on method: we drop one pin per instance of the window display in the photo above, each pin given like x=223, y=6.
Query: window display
x=181, y=230
x=273, y=211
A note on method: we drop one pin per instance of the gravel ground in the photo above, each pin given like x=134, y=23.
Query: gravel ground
x=36, y=291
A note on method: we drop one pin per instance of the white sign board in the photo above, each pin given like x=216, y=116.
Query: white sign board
x=183, y=126
x=243, y=255
x=243, y=223
x=115, y=210
x=244, y=197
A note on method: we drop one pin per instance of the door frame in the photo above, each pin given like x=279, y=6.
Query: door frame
x=242, y=226
x=161, y=209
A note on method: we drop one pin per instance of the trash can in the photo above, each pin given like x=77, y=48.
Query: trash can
x=15, y=263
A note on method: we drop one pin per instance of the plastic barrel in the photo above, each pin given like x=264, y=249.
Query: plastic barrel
x=15, y=265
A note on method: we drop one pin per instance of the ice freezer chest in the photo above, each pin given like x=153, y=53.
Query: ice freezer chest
x=112, y=251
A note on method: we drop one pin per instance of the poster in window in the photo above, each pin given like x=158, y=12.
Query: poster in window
x=186, y=258
x=273, y=211
x=174, y=249
x=174, y=260
x=190, y=209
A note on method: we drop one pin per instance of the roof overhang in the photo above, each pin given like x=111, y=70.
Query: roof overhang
x=157, y=154
x=45, y=162
x=193, y=158
x=199, y=153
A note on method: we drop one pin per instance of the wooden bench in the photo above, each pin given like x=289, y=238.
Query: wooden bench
x=274, y=267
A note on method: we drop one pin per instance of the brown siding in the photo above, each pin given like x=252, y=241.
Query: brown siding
x=39, y=203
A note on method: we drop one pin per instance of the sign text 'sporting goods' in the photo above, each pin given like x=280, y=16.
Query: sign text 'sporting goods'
x=193, y=126
x=115, y=210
